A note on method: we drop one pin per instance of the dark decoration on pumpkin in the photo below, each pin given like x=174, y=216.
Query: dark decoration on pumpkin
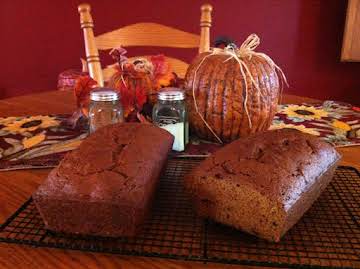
x=223, y=42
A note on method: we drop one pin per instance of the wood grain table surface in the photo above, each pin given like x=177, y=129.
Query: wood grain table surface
x=17, y=186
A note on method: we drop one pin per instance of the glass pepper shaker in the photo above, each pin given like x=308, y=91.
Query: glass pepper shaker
x=104, y=109
x=170, y=114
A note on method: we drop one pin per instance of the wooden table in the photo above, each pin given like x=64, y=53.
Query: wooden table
x=16, y=187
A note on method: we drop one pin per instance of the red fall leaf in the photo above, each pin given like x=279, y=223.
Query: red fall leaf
x=83, y=87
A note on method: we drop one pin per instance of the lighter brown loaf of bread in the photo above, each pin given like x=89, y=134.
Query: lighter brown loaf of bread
x=263, y=184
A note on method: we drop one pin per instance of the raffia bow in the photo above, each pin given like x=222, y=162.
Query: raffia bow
x=246, y=50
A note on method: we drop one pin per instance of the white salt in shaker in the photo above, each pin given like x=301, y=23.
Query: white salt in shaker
x=170, y=114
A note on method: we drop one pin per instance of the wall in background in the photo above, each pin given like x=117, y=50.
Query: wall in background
x=42, y=38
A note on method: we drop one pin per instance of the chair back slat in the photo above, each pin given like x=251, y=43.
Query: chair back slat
x=147, y=34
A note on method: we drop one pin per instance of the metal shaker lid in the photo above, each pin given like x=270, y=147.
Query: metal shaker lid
x=104, y=95
x=171, y=94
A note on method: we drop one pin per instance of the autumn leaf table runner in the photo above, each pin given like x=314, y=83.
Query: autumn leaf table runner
x=336, y=122
x=36, y=141
x=41, y=141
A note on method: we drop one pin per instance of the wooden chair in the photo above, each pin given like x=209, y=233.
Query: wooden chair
x=141, y=34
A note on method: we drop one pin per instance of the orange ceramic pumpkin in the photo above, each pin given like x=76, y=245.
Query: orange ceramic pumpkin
x=220, y=94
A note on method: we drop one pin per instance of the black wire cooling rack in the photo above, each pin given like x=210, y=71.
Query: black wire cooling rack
x=327, y=236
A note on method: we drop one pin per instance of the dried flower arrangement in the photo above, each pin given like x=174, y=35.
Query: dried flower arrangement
x=137, y=81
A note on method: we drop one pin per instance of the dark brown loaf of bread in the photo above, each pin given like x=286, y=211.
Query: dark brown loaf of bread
x=105, y=187
x=263, y=184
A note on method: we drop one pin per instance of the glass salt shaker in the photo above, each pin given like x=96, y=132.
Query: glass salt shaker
x=105, y=108
x=170, y=114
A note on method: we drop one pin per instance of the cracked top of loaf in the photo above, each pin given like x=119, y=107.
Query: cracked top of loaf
x=280, y=164
x=114, y=163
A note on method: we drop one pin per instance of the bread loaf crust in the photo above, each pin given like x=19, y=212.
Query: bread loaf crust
x=105, y=187
x=263, y=184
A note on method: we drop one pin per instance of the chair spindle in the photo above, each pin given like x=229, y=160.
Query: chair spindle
x=92, y=54
x=205, y=24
